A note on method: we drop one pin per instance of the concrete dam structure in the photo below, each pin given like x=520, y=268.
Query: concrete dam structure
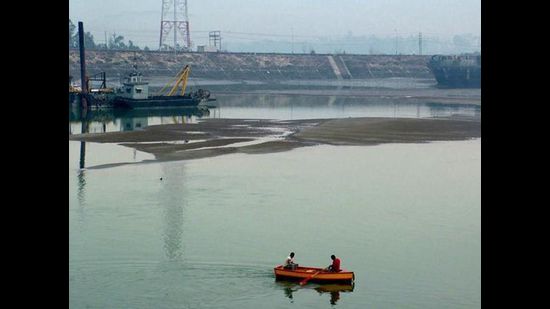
x=255, y=66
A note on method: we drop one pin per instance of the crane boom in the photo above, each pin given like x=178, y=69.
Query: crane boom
x=179, y=79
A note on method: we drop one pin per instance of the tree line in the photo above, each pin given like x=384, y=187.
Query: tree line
x=115, y=41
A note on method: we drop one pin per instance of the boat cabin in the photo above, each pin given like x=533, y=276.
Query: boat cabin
x=134, y=87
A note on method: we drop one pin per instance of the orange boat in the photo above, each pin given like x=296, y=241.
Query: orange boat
x=315, y=274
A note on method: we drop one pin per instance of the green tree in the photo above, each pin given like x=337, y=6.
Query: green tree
x=131, y=46
x=117, y=42
x=72, y=35
x=89, y=40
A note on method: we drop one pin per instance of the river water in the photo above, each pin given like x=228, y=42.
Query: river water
x=406, y=218
x=259, y=106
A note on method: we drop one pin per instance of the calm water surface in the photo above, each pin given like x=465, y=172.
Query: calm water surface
x=287, y=107
x=404, y=217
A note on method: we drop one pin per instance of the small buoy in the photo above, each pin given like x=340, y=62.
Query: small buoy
x=160, y=178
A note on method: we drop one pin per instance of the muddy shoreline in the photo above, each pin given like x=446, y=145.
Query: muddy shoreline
x=215, y=137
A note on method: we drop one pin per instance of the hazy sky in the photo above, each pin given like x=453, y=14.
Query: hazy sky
x=139, y=20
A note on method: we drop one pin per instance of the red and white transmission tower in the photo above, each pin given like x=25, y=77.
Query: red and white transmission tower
x=174, y=25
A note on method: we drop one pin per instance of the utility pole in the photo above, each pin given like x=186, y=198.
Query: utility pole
x=396, y=41
x=215, y=39
x=292, y=31
x=175, y=33
x=420, y=43
x=84, y=86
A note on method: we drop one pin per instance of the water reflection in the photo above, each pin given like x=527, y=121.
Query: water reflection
x=85, y=128
x=131, y=124
x=172, y=201
x=302, y=84
x=82, y=162
x=80, y=210
x=333, y=290
x=288, y=289
x=81, y=187
x=288, y=293
x=114, y=120
x=445, y=110
x=266, y=106
x=81, y=172
x=291, y=107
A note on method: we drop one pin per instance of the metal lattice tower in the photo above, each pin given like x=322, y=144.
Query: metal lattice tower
x=174, y=26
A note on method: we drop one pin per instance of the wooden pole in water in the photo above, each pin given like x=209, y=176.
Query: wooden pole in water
x=85, y=129
x=83, y=83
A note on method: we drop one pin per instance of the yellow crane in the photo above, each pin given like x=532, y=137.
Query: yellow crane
x=180, y=79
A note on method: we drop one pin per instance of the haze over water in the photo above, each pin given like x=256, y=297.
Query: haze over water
x=404, y=217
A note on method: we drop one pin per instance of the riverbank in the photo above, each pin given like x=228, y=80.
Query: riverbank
x=255, y=66
x=215, y=137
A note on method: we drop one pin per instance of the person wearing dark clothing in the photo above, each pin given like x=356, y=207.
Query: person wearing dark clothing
x=335, y=266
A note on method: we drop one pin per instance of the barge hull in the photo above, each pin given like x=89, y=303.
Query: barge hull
x=174, y=101
x=314, y=280
x=458, y=77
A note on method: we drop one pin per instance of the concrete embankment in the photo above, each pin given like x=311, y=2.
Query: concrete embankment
x=255, y=67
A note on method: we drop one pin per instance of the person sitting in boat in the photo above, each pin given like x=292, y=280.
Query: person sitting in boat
x=335, y=266
x=289, y=262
